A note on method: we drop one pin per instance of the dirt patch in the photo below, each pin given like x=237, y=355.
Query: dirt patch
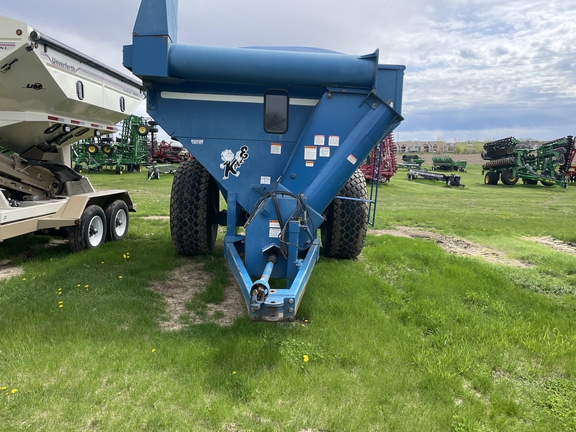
x=182, y=284
x=454, y=245
x=558, y=245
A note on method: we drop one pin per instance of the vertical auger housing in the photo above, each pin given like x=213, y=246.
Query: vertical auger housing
x=278, y=131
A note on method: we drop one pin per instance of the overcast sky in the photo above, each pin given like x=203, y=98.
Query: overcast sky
x=475, y=69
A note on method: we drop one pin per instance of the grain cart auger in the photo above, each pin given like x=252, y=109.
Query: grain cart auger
x=279, y=132
x=52, y=96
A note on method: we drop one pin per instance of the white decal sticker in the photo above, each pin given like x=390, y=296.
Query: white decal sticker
x=324, y=151
x=319, y=140
x=352, y=159
x=309, y=164
x=197, y=141
x=231, y=162
x=274, y=229
x=334, y=140
x=265, y=180
x=310, y=153
x=275, y=148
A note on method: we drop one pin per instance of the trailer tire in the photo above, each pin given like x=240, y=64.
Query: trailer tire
x=90, y=232
x=194, y=201
x=491, y=178
x=344, y=230
x=508, y=177
x=118, y=220
x=530, y=181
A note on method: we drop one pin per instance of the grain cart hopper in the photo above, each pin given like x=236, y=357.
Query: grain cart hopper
x=547, y=164
x=50, y=97
x=279, y=132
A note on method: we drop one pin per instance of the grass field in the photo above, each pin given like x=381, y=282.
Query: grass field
x=459, y=315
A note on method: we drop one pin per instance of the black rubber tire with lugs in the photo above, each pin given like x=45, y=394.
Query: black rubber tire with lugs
x=344, y=230
x=194, y=201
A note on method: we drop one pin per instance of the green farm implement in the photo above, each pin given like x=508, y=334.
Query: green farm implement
x=411, y=161
x=547, y=164
x=446, y=163
x=129, y=151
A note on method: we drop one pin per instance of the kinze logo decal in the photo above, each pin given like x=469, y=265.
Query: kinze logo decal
x=231, y=162
x=35, y=86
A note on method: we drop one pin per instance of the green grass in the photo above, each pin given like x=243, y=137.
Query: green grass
x=407, y=338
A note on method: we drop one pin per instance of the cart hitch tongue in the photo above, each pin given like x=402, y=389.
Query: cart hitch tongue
x=261, y=288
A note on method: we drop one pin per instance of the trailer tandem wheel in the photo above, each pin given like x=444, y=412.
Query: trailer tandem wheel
x=344, y=231
x=194, y=201
x=90, y=232
x=118, y=220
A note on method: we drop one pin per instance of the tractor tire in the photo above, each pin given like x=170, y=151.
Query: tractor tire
x=118, y=169
x=107, y=149
x=491, y=178
x=508, y=177
x=194, y=201
x=344, y=230
x=118, y=220
x=90, y=232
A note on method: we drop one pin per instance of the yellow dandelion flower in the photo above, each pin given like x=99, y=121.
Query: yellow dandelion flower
x=102, y=262
x=86, y=286
x=124, y=256
x=78, y=285
x=23, y=279
x=2, y=388
x=233, y=372
x=60, y=306
x=305, y=358
x=14, y=391
x=120, y=277
x=153, y=349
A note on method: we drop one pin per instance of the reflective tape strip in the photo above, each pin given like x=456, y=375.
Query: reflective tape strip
x=207, y=97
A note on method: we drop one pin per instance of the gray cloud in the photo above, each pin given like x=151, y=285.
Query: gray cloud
x=476, y=66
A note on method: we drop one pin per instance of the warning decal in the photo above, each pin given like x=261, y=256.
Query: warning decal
x=352, y=159
x=319, y=140
x=274, y=229
x=324, y=151
x=276, y=148
x=310, y=153
x=334, y=140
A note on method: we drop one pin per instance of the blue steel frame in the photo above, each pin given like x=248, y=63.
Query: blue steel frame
x=212, y=100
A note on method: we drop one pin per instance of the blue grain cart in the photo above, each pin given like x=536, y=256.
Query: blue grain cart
x=280, y=132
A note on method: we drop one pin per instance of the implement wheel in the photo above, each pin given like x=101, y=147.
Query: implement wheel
x=194, y=202
x=344, y=230
x=547, y=182
x=491, y=178
x=90, y=232
x=508, y=177
x=92, y=149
